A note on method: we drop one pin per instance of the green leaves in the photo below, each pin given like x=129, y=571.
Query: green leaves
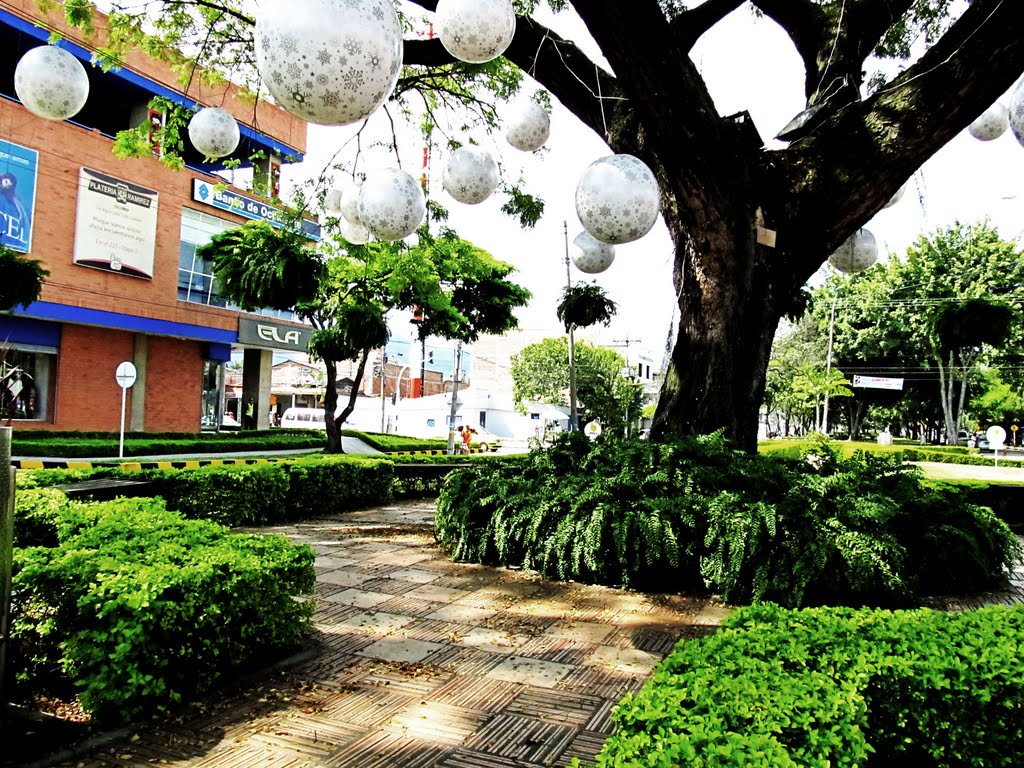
x=258, y=265
x=22, y=282
x=358, y=327
x=583, y=305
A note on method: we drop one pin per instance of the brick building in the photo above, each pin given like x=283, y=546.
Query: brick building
x=118, y=238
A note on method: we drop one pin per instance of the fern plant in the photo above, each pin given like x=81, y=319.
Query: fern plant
x=583, y=305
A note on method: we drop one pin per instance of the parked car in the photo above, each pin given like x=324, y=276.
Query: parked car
x=484, y=440
x=303, y=418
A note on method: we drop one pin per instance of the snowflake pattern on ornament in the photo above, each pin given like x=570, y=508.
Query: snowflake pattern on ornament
x=391, y=204
x=593, y=256
x=618, y=199
x=470, y=175
x=475, y=30
x=214, y=132
x=529, y=126
x=329, y=61
x=51, y=83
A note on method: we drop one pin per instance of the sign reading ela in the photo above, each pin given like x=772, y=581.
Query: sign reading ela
x=877, y=382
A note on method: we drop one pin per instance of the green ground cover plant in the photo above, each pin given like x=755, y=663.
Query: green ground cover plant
x=139, y=608
x=833, y=687
x=393, y=443
x=700, y=516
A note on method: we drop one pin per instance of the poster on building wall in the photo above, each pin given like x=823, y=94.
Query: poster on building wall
x=18, y=167
x=115, y=227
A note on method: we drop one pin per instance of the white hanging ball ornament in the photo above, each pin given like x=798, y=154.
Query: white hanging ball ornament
x=356, y=234
x=991, y=124
x=214, y=132
x=1016, y=112
x=897, y=197
x=470, y=175
x=332, y=201
x=329, y=61
x=51, y=83
x=475, y=30
x=593, y=256
x=350, y=201
x=617, y=199
x=858, y=253
x=391, y=204
x=528, y=127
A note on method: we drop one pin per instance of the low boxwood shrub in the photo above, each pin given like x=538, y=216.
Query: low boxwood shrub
x=144, y=608
x=36, y=514
x=394, y=443
x=81, y=445
x=698, y=515
x=833, y=686
x=235, y=495
x=331, y=485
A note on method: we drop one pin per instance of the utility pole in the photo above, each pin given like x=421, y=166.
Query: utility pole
x=572, y=349
x=455, y=398
x=383, y=373
x=828, y=363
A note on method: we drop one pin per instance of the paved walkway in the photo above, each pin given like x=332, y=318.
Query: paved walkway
x=424, y=662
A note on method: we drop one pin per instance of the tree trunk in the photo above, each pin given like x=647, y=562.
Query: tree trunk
x=855, y=413
x=716, y=376
x=333, y=425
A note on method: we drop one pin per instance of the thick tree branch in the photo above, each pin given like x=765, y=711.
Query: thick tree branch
x=862, y=154
x=688, y=26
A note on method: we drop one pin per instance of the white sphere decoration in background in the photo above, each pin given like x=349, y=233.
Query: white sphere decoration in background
x=214, y=132
x=332, y=201
x=1016, y=112
x=470, y=175
x=991, y=124
x=617, y=199
x=51, y=83
x=356, y=234
x=329, y=61
x=528, y=126
x=475, y=30
x=898, y=196
x=350, y=201
x=391, y=204
x=858, y=253
x=593, y=256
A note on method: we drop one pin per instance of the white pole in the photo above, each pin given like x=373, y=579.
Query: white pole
x=120, y=444
x=828, y=362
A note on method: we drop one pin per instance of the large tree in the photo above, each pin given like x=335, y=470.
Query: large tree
x=722, y=188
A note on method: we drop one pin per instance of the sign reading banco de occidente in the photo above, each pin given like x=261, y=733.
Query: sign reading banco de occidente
x=249, y=207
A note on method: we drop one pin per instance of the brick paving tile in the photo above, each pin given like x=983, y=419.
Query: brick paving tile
x=419, y=662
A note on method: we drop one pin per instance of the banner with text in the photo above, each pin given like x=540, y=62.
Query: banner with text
x=250, y=208
x=18, y=167
x=877, y=382
x=115, y=228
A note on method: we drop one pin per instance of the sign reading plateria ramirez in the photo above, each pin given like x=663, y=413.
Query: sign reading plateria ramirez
x=250, y=208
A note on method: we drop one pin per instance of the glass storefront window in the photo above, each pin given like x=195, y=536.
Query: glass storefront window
x=195, y=275
x=25, y=382
x=213, y=390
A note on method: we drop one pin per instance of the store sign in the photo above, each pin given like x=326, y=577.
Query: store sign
x=264, y=333
x=877, y=382
x=18, y=166
x=250, y=208
x=115, y=228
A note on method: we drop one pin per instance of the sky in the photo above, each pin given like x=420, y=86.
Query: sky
x=749, y=65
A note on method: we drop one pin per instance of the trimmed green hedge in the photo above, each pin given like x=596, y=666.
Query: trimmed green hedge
x=833, y=687
x=73, y=445
x=393, y=443
x=698, y=515
x=951, y=454
x=250, y=494
x=142, y=608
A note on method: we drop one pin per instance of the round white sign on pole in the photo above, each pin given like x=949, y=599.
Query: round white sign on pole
x=996, y=436
x=592, y=429
x=125, y=375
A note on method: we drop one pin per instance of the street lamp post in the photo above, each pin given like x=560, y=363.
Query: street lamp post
x=572, y=348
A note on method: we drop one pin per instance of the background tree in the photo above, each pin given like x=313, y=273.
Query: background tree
x=540, y=373
x=22, y=279
x=903, y=319
x=848, y=153
x=461, y=290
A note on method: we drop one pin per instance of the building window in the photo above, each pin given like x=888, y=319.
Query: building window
x=195, y=275
x=25, y=384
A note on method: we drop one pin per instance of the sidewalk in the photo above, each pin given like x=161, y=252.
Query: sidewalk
x=424, y=662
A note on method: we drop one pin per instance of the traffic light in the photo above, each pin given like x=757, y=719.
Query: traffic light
x=430, y=357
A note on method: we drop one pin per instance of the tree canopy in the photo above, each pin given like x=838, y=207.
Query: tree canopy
x=750, y=223
x=540, y=373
